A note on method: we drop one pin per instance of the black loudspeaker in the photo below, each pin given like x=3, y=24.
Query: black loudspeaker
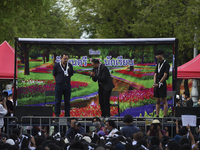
x=31, y=111
x=178, y=111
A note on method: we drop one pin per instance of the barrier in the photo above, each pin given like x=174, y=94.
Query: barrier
x=10, y=121
x=87, y=121
x=141, y=122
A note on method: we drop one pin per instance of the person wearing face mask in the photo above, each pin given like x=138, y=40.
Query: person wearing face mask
x=110, y=127
x=97, y=125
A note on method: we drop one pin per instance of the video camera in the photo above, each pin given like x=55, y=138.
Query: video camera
x=96, y=124
x=76, y=123
x=155, y=126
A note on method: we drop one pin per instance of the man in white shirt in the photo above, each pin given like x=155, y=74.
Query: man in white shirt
x=111, y=128
x=3, y=110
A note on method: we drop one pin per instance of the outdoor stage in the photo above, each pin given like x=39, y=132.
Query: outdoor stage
x=131, y=63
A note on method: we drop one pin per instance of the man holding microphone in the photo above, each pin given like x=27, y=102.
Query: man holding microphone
x=102, y=75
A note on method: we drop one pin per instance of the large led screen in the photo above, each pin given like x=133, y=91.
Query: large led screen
x=132, y=69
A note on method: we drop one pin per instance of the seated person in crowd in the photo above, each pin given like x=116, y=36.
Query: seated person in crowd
x=75, y=127
x=155, y=129
x=110, y=127
x=97, y=125
x=129, y=129
x=189, y=101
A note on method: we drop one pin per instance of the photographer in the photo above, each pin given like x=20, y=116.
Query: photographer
x=155, y=129
x=189, y=101
x=75, y=127
x=3, y=110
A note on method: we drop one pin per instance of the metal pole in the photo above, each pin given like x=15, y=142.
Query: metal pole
x=15, y=74
x=194, y=92
x=174, y=80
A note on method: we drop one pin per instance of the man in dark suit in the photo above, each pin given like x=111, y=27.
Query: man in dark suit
x=102, y=75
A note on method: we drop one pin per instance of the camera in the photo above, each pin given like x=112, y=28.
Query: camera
x=96, y=124
x=155, y=126
x=76, y=123
x=2, y=98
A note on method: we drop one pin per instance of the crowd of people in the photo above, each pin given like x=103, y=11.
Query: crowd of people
x=105, y=135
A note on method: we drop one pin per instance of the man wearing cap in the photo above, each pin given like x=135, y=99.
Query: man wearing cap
x=189, y=101
x=155, y=129
x=62, y=73
x=160, y=86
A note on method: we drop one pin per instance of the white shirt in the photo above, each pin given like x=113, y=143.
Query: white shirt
x=3, y=112
x=112, y=132
x=32, y=148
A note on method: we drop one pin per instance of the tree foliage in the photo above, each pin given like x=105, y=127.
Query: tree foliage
x=34, y=19
x=141, y=19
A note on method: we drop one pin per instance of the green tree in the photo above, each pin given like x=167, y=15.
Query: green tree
x=34, y=19
x=141, y=19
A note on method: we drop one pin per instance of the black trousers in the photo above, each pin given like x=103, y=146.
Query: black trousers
x=59, y=90
x=161, y=92
x=104, y=101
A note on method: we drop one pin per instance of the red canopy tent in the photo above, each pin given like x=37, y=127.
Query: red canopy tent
x=7, y=61
x=190, y=70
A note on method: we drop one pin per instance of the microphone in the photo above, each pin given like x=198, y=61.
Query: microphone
x=92, y=71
